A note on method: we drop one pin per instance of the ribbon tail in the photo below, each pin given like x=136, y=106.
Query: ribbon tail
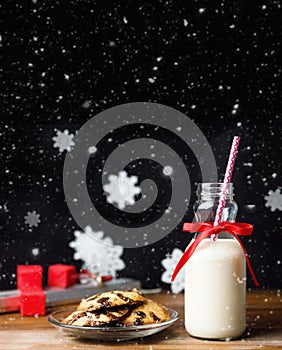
x=180, y=264
x=189, y=252
x=247, y=258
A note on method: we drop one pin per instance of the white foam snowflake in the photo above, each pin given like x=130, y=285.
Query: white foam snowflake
x=99, y=255
x=32, y=218
x=121, y=189
x=274, y=200
x=63, y=140
x=169, y=264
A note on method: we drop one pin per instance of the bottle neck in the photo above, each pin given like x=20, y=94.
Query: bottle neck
x=213, y=191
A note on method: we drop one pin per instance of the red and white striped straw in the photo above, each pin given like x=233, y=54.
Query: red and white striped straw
x=227, y=179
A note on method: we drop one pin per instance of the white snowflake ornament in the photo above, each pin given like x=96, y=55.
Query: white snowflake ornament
x=98, y=253
x=121, y=189
x=169, y=264
x=63, y=140
x=32, y=218
x=274, y=200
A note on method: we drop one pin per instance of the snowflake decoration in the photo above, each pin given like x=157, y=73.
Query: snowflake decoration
x=121, y=189
x=169, y=264
x=274, y=200
x=32, y=218
x=99, y=255
x=63, y=140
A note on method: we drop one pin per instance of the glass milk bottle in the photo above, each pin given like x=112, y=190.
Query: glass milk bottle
x=215, y=275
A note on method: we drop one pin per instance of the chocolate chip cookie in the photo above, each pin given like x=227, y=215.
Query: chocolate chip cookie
x=98, y=318
x=116, y=309
x=111, y=299
x=146, y=313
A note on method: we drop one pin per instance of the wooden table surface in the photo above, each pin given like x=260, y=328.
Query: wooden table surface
x=264, y=331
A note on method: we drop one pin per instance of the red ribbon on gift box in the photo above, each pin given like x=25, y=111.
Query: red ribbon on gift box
x=208, y=229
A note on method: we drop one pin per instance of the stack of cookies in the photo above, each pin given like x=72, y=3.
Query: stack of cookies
x=117, y=308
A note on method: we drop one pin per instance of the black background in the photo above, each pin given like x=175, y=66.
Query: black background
x=56, y=55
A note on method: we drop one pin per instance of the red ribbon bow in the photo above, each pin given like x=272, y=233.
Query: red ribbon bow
x=207, y=229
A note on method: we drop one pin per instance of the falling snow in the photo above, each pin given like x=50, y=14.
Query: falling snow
x=92, y=149
x=121, y=189
x=63, y=140
x=235, y=108
x=98, y=253
x=274, y=200
x=32, y=218
x=35, y=251
x=152, y=80
x=228, y=94
x=86, y=104
x=167, y=170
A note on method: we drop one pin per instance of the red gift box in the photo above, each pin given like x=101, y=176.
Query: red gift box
x=29, y=277
x=60, y=275
x=32, y=303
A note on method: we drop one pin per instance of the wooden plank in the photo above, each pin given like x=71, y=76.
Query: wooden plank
x=264, y=316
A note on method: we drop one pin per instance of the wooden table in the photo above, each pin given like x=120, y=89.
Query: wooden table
x=264, y=331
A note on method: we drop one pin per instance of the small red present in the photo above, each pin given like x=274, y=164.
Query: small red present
x=29, y=277
x=60, y=275
x=32, y=303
